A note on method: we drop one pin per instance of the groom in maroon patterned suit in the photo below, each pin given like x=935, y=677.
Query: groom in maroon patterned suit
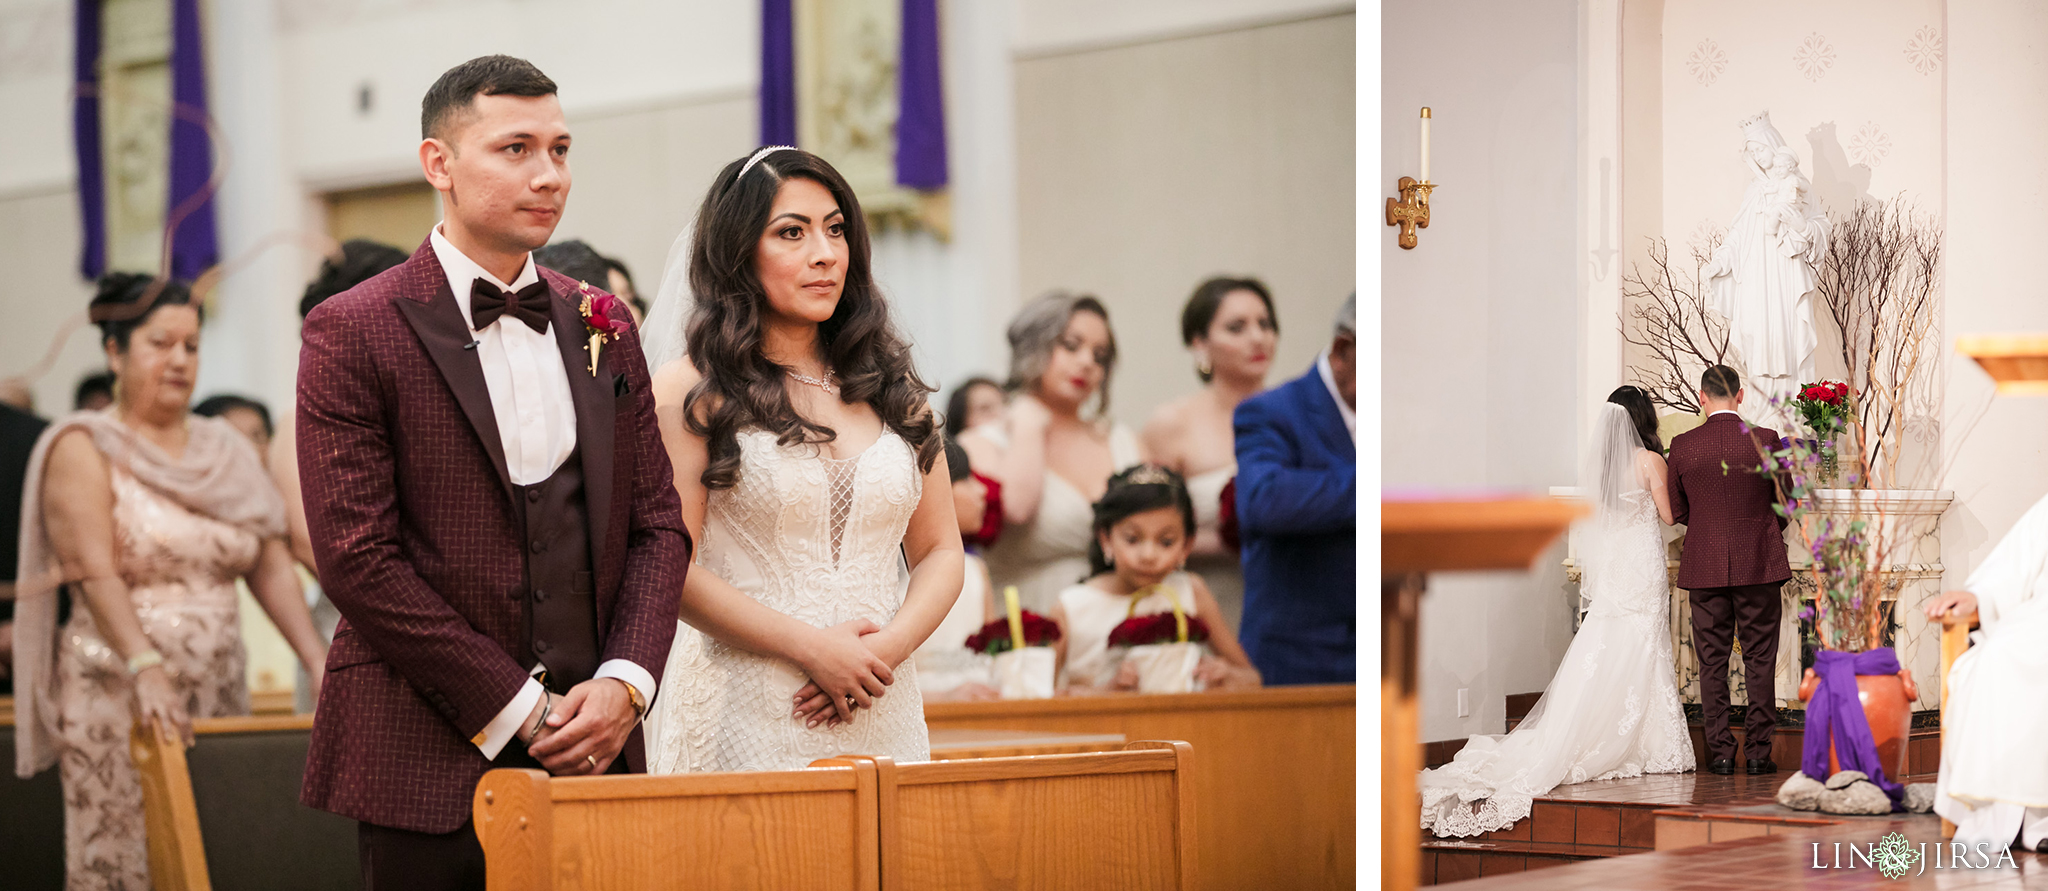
x=489, y=501
x=1733, y=565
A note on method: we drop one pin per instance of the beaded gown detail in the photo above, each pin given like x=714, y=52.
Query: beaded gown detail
x=818, y=539
x=1612, y=709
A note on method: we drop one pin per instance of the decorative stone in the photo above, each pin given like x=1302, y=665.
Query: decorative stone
x=1844, y=778
x=1919, y=797
x=1801, y=793
x=1858, y=798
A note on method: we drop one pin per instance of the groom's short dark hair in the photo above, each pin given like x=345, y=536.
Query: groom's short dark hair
x=1720, y=382
x=459, y=86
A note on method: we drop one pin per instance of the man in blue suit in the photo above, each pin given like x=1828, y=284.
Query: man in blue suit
x=1297, y=514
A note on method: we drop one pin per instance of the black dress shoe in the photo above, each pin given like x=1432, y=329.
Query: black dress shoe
x=1721, y=766
x=2041, y=847
x=1761, y=766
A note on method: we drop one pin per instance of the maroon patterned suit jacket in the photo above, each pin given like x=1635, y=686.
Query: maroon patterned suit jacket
x=1719, y=492
x=408, y=501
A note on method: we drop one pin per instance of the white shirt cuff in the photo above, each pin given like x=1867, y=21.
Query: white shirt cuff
x=630, y=672
x=506, y=726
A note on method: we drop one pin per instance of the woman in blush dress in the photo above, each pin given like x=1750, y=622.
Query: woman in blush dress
x=150, y=514
x=808, y=458
x=1053, y=451
x=1229, y=326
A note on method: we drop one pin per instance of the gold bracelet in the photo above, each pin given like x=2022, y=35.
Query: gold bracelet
x=144, y=660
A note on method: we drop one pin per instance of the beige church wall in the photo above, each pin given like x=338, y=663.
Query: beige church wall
x=1144, y=168
x=1997, y=221
x=1480, y=323
x=40, y=254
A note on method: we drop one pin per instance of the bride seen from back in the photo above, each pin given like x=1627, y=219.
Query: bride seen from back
x=804, y=450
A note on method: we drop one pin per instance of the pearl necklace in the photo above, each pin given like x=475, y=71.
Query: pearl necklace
x=829, y=383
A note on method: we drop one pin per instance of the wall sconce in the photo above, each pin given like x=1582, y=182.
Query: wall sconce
x=1411, y=210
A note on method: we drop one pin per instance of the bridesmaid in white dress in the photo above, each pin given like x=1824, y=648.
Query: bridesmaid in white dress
x=1052, y=452
x=808, y=459
x=1230, y=327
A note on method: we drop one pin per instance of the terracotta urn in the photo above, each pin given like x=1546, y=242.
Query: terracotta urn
x=1888, y=706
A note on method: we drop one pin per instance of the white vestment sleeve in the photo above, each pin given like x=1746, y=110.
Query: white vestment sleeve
x=2015, y=568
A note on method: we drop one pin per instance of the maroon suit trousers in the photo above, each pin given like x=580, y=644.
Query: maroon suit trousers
x=1718, y=616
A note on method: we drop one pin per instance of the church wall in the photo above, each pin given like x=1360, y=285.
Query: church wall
x=1480, y=322
x=1144, y=168
x=1997, y=193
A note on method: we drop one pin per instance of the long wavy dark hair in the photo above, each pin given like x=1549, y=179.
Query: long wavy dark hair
x=1640, y=413
x=743, y=388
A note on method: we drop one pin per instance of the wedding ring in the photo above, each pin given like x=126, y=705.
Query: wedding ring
x=593, y=761
x=850, y=700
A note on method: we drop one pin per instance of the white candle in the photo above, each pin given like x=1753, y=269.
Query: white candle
x=1425, y=144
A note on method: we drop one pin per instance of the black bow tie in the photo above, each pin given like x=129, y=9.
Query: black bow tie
x=528, y=304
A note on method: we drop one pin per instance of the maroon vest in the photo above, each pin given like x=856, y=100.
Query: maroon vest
x=561, y=598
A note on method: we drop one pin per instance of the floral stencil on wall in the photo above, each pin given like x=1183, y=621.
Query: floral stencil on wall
x=1923, y=52
x=1706, y=62
x=1869, y=146
x=1814, y=57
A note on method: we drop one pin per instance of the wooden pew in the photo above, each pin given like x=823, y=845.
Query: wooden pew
x=31, y=818
x=1955, y=638
x=226, y=814
x=812, y=828
x=953, y=744
x=1275, y=776
x=1106, y=820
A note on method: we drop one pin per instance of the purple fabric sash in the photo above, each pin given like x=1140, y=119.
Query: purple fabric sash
x=189, y=215
x=85, y=140
x=1836, y=713
x=778, y=73
x=920, y=100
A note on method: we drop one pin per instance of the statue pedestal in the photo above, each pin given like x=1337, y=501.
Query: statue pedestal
x=1915, y=576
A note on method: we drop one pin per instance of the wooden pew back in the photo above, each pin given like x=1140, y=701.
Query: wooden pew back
x=226, y=814
x=810, y=828
x=1111, y=820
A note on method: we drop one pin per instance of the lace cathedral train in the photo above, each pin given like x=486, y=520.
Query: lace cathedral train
x=1612, y=709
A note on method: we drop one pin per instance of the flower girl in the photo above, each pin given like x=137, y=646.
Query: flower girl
x=1140, y=595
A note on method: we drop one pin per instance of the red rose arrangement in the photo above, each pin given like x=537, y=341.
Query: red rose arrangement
x=1156, y=628
x=596, y=310
x=994, y=637
x=1824, y=406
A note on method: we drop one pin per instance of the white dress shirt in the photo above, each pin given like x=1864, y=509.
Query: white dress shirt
x=1329, y=377
x=536, y=416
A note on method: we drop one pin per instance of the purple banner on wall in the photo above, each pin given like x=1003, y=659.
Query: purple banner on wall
x=189, y=216
x=921, y=111
x=778, y=74
x=85, y=139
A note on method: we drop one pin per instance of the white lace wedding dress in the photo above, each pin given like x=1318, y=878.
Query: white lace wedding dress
x=1611, y=710
x=815, y=538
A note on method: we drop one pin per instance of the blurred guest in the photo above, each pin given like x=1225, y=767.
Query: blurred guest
x=1297, y=489
x=1229, y=326
x=1052, y=454
x=977, y=401
x=95, y=392
x=18, y=433
x=14, y=393
x=246, y=415
x=946, y=669
x=619, y=280
x=1143, y=527
x=581, y=262
x=150, y=514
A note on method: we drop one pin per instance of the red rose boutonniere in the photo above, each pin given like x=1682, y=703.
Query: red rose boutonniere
x=597, y=319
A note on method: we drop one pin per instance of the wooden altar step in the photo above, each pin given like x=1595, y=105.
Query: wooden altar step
x=1586, y=822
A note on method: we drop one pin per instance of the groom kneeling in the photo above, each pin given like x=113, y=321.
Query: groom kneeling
x=1733, y=565
x=489, y=501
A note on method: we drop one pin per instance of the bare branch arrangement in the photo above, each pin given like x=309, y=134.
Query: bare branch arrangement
x=1670, y=315
x=1880, y=284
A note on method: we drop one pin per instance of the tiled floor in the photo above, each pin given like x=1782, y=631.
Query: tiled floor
x=1745, y=839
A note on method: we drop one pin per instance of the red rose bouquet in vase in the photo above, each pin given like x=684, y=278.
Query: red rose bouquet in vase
x=1825, y=409
x=1164, y=648
x=1020, y=651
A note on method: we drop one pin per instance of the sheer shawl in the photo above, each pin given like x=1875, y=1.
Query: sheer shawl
x=219, y=475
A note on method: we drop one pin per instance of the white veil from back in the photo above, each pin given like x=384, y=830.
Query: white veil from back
x=1607, y=474
x=661, y=338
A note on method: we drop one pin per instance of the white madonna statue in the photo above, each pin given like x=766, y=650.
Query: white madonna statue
x=1763, y=274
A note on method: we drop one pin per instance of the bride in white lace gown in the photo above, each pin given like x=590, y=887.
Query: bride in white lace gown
x=809, y=465
x=1612, y=709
